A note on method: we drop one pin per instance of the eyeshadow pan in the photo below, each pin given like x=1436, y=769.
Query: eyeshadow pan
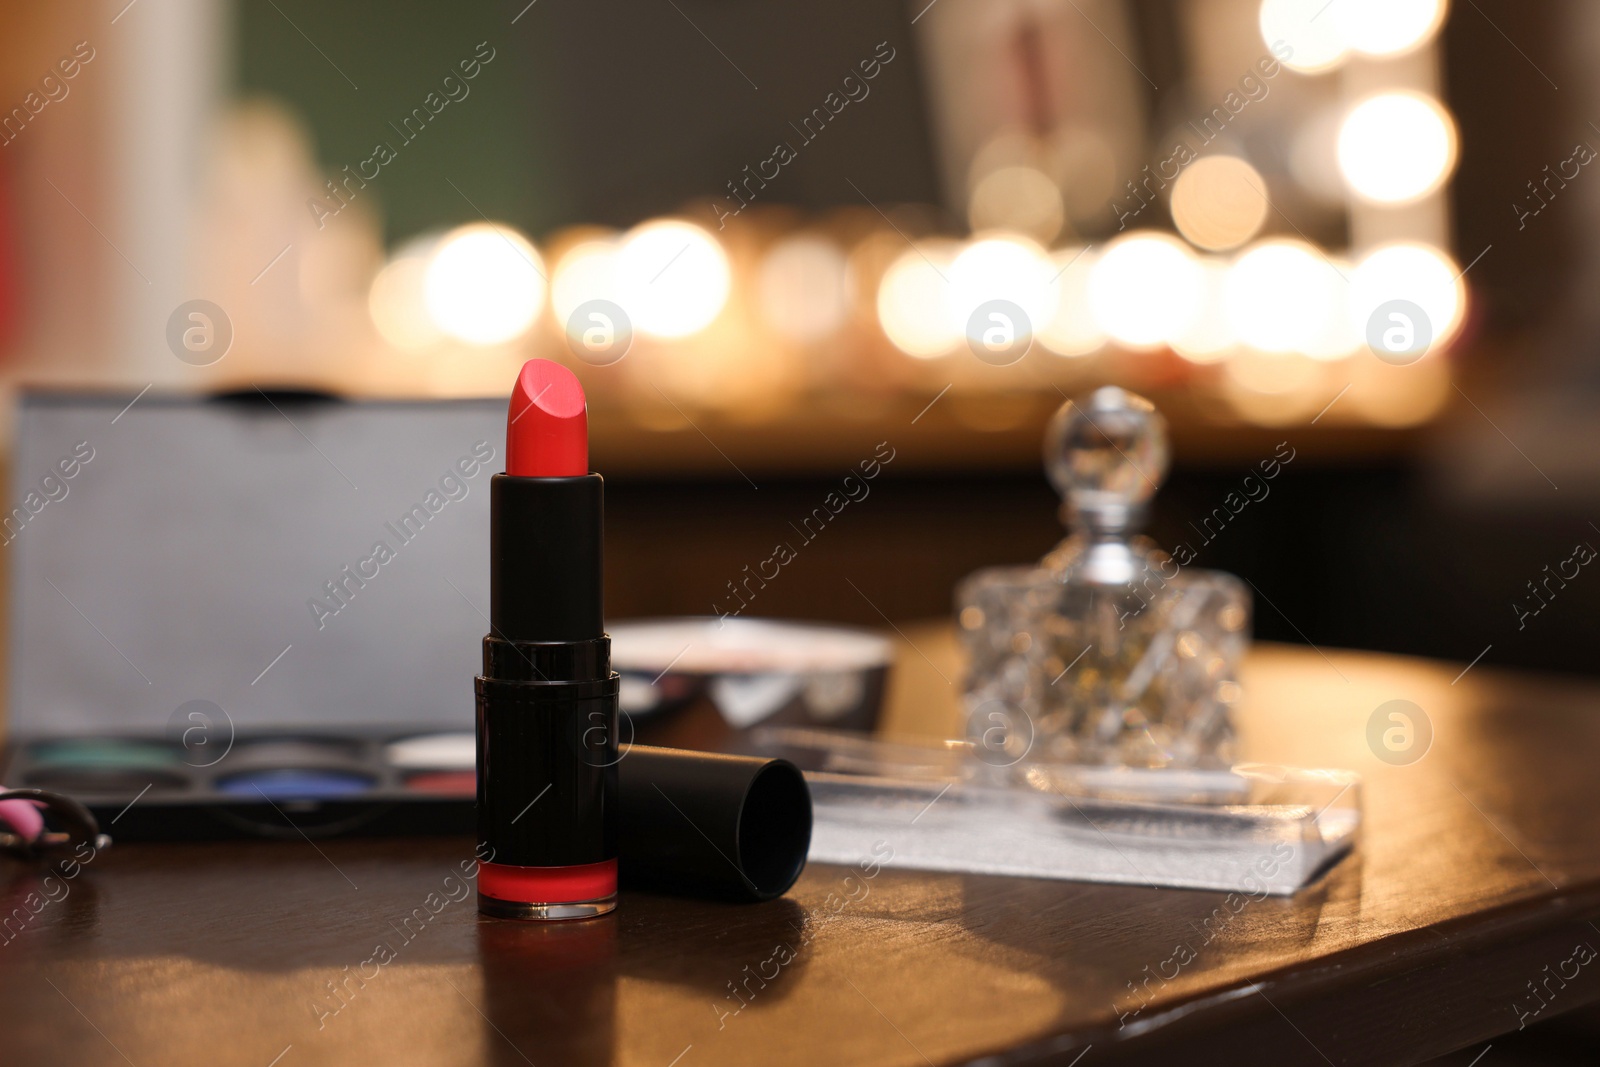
x=453, y=751
x=106, y=779
x=444, y=783
x=96, y=753
x=293, y=751
x=288, y=783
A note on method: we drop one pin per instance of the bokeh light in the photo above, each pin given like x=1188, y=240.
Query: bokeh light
x=1083, y=163
x=1387, y=27
x=1072, y=330
x=1271, y=373
x=1020, y=198
x=1145, y=289
x=395, y=299
x=1388, y=395
x=1219, y=202
x=1274, y=388
x=1279, y=296
x=1209, y=336
x=913, y=303
x=1419, y=273
x=1339, y=337
x=803, y=288
x=1396, y=147
x=672, y=277
x=1001, y=268
x=484, y=285
x=586, y=271
x=1313, y=36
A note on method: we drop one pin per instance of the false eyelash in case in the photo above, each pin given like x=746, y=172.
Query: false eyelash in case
x=1252, y=827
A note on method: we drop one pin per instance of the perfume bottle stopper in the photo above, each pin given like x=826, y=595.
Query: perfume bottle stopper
x=1106, y=458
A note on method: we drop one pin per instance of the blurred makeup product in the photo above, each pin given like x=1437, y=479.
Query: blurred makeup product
x=446, y=764
x=962, y=806
x=547, y=697
x=754, y=671
x=453, y=751
x=248, y=615
x=215, y=633
x=37, y=824
x=101, y=765
x=326, y=784
x=295, y=784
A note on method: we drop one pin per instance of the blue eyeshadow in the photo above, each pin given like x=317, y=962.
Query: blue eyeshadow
x=291, y=784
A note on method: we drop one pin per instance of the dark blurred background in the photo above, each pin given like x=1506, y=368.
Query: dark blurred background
x=1422, y=500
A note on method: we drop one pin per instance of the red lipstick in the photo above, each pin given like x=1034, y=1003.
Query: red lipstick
x=547, y=698
x=547, y=429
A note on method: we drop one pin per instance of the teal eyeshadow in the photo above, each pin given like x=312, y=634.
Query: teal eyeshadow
x=104, y=755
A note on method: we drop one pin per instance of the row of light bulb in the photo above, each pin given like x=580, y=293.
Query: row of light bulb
x=1148, y=290
x=1394, y=147
x=486, y=284
x=1323, y=34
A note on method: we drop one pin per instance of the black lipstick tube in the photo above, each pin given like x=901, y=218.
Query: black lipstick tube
x=547, y=706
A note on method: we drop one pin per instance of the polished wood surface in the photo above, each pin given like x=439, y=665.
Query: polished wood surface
x=1473, y=887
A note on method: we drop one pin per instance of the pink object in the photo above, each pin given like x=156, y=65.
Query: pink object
x=548, y=432
x=23, y=817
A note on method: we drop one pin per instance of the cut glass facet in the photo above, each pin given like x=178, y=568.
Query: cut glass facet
x=1110, y=651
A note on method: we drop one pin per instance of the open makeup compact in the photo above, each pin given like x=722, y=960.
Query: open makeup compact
x=293, y=651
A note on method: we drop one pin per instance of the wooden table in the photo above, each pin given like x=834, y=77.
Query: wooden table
x=1478, y=874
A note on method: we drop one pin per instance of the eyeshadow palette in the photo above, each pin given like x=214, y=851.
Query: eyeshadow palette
x=206, y=639
x=146, y=788
x=268, y=784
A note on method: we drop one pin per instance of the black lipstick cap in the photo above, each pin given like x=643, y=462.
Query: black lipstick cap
x=708, y=825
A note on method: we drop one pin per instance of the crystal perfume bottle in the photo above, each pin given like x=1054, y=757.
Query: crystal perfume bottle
x=1110, y=651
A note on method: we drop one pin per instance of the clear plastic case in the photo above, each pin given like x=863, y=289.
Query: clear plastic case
x=1252, y=828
